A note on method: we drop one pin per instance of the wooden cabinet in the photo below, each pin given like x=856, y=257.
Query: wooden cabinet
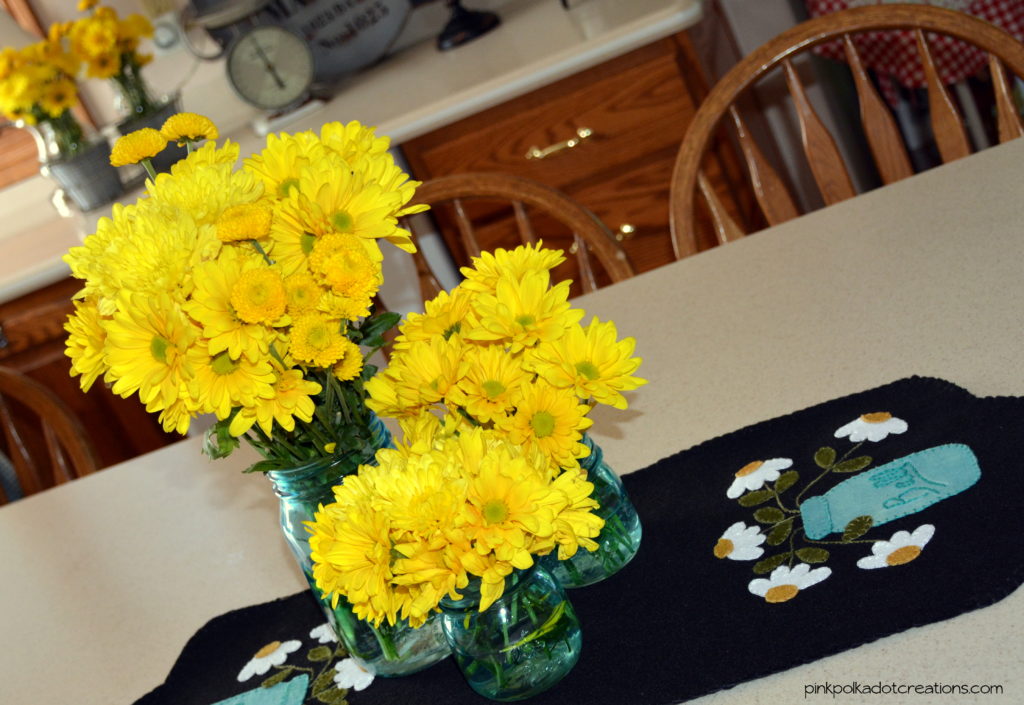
x=32, y=342
x=636, y=108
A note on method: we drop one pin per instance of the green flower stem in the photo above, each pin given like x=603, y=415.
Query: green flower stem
x=387, y=644
x=259, y=248
x=826, y=471
x=147, y=164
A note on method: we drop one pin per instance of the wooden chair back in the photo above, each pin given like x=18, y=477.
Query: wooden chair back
x=826, y=164
x=527, y=198
x=46, y=443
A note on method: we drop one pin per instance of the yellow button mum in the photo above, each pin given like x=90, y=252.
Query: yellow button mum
x=258, y=296
x=188, y=127
x=248, y=221
x=136, y=146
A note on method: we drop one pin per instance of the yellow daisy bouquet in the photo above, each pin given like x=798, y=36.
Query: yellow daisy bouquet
x=506, y=351
x=245, y=292
x=108, y=46
x=453, y=505
x=37, y=87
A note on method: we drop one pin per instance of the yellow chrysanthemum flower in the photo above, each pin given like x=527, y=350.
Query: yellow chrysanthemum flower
x=576, y=525
x=350, y=364
x=148, y=339
x=205, y=185
x=188, y=127
x=258, y=296
x=591, y=361
x=344, y=265
x=444, y=315
x=210, y=305
x=292, y=399
x=425, y=375
x=58, y=96
x=317, y=340
x=85, y=5
x=492, y=384
x=523, y=312
x=352, y=140
x=136, y=146
x=551, y=419
x=294, y=232
x=85, y=343
x=486, y=269
x=224, y=383
x=282, y=161
x=303, y=293
x=246, y=221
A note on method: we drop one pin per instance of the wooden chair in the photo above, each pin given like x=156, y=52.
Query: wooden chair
x=826, y=164
x=46, y=443
x=589, y=236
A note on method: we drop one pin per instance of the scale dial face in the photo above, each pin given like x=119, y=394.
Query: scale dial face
x=270, y=67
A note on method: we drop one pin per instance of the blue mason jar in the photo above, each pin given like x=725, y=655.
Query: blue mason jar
x=619, y=540
x=522, y=644
x=386, y=650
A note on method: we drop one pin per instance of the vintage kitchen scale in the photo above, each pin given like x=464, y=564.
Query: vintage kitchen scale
x=287, y=57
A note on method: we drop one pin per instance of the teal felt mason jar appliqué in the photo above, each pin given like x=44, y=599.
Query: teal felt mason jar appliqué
x=899, y=488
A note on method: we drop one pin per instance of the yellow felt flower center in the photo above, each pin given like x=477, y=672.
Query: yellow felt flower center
x=222, y=364
x=495, y=511
x=781, y=593
x=723, y=548
x=876, y=417
x=268, y=649
x=543, y=424
x=158, y=348
x=588, y=369
x=749, y=468
x=903, y=555
x=493, y=388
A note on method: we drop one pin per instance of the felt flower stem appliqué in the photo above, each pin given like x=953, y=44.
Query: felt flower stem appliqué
x=801, y=517
x=328, y=676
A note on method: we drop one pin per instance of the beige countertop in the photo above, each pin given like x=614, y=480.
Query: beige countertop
x=408, y=94
x=110, y=575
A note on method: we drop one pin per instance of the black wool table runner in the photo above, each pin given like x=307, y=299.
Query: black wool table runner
x=813, y=533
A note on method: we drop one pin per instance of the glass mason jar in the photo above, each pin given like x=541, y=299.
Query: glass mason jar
x=620, y=537
x=385, y=650
x=521, y=645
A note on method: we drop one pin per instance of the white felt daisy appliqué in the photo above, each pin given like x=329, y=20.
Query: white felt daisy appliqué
x=349, y=674
x=324, y=634
x=273, y=654
x=740, y=543
x=752, y=476
x=902, y=548
x=785, y=583
x=872, y=427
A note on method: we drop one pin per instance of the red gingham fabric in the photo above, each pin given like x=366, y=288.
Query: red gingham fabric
x=894, y=53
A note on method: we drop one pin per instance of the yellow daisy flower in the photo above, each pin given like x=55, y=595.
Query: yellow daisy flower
x=444, y=315
x=352, y=140
x=292, y=399
x=317, y=340
x=204, y=185
x=485, y=270
x=188, y=127
x=590, y=361
x=351, y=362
x=147, y=344
x=224, y=383
x=210, y=305
x=58, y=96
x=552, y=419
x=295, y=229
x=282, y=161
x=492, y=383
x=524, y=312
x=427, y=374
x=85, y=343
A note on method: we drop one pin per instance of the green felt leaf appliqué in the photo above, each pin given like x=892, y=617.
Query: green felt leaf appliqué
x=752, y=499
x=780, y=533
x=771, y=563
x=857, y=528
x=786, y=480
x=853, y=464
x=825, y=457
x=812, y=555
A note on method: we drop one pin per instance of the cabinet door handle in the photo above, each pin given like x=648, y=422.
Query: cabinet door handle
x=4, y=342
x=625, y=231
x=536, y=152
